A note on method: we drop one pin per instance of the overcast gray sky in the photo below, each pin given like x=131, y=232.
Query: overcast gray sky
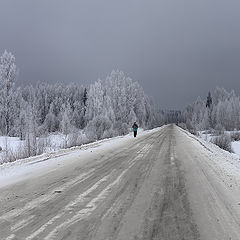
x=176, y=49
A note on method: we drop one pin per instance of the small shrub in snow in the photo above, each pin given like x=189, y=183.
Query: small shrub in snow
x=43, y=145
x=182, y=125
x=98, y=127
x=77, y=139
x=223, y=141
x=235, y=136
x=219, y=129
x=193, y=131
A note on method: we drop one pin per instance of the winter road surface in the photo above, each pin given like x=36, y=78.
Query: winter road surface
x=158, y=186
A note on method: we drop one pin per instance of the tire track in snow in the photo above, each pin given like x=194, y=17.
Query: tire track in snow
x=85, y=212
x=22, y=223
x=42, y=199
x=80, y=199
x=90, y=207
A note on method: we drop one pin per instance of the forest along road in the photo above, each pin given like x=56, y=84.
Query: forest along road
x=158, y=186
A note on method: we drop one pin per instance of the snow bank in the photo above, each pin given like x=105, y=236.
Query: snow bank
x=208, y=137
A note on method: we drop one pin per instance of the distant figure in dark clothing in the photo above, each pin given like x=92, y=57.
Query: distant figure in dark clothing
x=135, y=128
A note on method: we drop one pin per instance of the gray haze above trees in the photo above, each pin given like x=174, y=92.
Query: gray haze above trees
x=175, y=49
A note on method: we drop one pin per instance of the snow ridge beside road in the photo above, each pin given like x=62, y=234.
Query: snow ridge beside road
x=226, y=164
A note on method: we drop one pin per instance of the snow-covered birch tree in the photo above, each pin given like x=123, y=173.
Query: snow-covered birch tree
x=8, y=75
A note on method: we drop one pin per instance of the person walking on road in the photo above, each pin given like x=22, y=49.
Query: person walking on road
x=135, y=128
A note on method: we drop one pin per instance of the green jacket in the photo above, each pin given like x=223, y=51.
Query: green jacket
x=135, y=127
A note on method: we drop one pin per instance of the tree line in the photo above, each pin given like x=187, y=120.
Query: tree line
x=102, y=109
x=219, y=111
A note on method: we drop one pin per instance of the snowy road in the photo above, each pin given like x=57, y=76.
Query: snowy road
x=159, y=186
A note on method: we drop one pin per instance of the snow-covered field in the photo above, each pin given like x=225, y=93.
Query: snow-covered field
x=236, y=147
x=14, y=146
x=51, y=143
x=11, y=143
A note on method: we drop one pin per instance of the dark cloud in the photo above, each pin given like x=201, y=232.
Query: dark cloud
x=177, y=50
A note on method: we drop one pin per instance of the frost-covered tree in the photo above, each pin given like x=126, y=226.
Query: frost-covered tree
x=99, y=127
x=222, y=110
x=95, y=100
x=22, y=119
x=50, y=122
x=65, y=124
x=30, y=131
x=106, y=108
x=209, y=100
x=8, y=75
